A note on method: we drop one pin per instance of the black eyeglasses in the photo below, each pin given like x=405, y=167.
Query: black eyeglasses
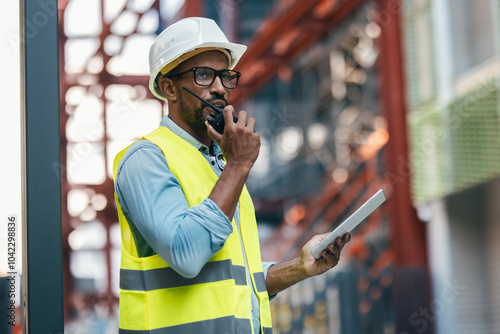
x=205, y=76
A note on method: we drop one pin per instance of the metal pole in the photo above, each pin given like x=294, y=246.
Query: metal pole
x=42, y=236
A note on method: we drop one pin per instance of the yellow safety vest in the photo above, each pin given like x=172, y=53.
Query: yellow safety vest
x=156, y=299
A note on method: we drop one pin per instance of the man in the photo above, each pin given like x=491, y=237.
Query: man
x=190, y=251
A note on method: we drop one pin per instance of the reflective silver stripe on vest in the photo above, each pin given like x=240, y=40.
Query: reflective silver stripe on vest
x=260, y=282
x=225, y=325
x=164, y=278
x=267, y=330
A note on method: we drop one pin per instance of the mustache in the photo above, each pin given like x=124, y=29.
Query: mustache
x=217, y=97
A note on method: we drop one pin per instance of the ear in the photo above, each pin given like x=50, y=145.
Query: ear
x=167, y=88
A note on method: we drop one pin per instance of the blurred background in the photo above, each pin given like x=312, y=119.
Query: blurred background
x=349, y=97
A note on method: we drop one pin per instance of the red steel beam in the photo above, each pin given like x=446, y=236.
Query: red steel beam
x=192, y=8
x=407, y=232
x=273, y=27
x=261, y=55
x=65, y=187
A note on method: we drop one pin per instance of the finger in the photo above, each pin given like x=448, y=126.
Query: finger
x=330, y=258
x=334, y=250
x=213, y=133
x=347, y=237
x=339, y=242
x=242, y=118
x=251, y=123
x=228, y=115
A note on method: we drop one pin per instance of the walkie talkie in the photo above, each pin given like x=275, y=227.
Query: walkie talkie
x=217, y=120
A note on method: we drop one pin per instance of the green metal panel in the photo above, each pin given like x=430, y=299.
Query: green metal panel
x=427, y=153
x=474, y=136
x=456, y=147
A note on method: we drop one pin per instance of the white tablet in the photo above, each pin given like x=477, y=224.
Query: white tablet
x=350, y=223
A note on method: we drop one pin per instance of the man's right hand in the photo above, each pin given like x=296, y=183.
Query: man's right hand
x=240, y=146
x=239, y=143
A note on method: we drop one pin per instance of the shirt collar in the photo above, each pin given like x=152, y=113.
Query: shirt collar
x=214, y=147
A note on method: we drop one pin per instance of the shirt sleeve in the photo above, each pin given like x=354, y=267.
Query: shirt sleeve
x=265, y=268
x=152, y=199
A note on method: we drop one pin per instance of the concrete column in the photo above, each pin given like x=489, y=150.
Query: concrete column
x=440, y=265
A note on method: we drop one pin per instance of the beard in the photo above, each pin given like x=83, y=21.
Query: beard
x=196, y=117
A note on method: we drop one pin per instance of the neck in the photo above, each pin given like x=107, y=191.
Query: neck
x=198, y=134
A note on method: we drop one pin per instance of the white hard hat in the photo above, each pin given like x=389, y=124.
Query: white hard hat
x=185, y=39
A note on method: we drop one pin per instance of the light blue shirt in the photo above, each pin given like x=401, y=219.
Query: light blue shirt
x=160, y=218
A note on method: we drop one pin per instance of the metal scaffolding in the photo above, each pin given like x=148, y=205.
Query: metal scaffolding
x=289, y=30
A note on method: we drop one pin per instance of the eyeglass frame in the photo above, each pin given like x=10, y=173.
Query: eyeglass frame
x=218, y=73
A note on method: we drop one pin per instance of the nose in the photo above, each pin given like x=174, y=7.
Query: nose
x=217, y=86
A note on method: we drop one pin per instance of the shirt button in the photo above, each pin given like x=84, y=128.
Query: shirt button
x=213, y=162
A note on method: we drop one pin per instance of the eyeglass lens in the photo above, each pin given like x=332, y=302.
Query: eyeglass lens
x=205, y=76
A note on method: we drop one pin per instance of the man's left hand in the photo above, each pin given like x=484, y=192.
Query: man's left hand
x=330, y=256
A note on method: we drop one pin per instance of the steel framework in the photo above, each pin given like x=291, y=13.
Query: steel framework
x=292, y=27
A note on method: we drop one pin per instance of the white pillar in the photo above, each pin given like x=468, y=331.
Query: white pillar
x=440, y=263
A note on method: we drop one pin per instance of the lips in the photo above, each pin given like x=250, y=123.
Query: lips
x=219, y=103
